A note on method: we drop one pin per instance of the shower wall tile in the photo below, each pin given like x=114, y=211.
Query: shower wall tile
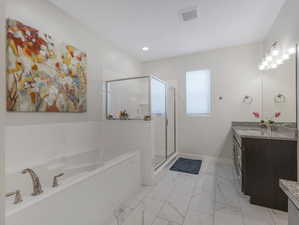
x=33, y=145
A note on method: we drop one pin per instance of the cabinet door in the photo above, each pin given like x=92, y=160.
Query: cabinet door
x=284, y=157
x=259, y=174
x=267, y=161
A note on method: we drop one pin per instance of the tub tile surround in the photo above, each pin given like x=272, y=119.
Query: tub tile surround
x=34, y=145
x=210, y=198
x=50, y=149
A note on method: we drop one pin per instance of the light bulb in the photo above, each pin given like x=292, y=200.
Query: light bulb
x=265, y=63
x=269, y=58
x=292, y=51
x=275, y=52
x=279, y=61
x=261, y=67
x=285, y=56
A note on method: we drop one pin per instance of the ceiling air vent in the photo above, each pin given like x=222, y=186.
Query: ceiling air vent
x=188, y=14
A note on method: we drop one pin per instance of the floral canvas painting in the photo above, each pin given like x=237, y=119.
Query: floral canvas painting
x=43, y=75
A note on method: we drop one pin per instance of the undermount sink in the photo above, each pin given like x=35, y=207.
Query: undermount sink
x=258, y=132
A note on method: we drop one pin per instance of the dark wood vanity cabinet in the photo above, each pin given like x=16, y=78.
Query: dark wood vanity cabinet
x=263, y=163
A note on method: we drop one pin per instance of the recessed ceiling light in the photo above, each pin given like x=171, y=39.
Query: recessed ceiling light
x=145, y=48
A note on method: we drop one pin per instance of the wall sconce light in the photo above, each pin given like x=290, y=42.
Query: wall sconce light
x=247, y=99
x=279, y=98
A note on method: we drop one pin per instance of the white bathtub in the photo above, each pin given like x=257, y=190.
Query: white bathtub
x=87, y=195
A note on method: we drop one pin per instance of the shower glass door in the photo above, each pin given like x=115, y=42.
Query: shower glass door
x=171, y=122
x=159, y=115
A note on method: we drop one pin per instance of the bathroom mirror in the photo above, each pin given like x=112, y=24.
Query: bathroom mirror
x=279, y=92
x=127, y=99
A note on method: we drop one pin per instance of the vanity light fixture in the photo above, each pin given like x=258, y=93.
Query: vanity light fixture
x=275, y=56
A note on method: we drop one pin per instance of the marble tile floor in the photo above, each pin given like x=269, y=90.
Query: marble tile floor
x=210, y=198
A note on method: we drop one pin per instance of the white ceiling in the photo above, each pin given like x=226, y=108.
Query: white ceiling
x=133, y=24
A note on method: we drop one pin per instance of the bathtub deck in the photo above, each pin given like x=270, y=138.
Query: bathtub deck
x=210, y=198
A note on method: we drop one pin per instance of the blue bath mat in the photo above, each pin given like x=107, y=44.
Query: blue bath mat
x=187, y=166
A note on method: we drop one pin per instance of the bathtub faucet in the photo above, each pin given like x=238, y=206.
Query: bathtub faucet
x=18, y=196
x=37, y=187
x=55, y=180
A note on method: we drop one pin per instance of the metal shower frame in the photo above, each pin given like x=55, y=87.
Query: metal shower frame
x=151, y=77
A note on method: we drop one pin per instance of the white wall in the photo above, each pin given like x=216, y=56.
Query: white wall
x=36, y=137
x=102, y=57
x=125, y=136
x=234, y=74
x=286, y=30
x=2, y=108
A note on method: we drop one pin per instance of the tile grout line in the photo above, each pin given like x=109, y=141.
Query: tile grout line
x=189, y=202
x=163, y=204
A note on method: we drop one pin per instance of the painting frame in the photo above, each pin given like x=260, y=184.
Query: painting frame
x=43, y=75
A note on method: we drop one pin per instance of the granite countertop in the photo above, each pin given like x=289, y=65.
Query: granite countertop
x=248, y=130
x=291, y=188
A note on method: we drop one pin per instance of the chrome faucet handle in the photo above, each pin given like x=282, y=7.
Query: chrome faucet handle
x=17, y=194
x=37, y=187
x=55, y=180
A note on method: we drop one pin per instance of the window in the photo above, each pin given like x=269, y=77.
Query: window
x=198, y=92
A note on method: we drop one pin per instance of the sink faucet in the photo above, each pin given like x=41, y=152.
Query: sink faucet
x=37, y=188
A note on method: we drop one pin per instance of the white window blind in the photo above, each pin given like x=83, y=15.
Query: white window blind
x=198, y=87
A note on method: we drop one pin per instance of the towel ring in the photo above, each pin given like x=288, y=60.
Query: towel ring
x=280, y=98
x=247, y=99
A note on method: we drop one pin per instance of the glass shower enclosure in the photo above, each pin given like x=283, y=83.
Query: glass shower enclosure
x=146, y=98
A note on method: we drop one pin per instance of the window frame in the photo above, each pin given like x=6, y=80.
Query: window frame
x=209, y=114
